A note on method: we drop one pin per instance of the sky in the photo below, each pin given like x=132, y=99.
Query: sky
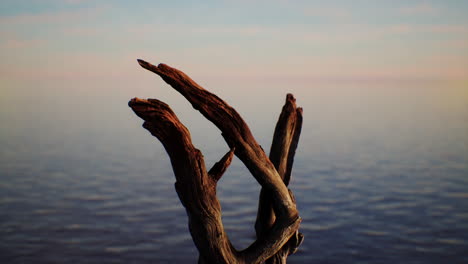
x=278, y=40
x=71, y=64
x=379, y=80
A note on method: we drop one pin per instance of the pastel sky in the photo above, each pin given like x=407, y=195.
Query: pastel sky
x=53, y=49
x=322, y=40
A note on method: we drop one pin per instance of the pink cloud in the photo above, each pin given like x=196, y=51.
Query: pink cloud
x=458, y=29
x=11, y=40
x=408, y=28
x=249, y=30
x=20, y=44
x=84, y=31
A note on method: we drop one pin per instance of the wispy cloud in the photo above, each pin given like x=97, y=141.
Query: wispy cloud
x=11, y=40
x=246, y=30
x=328, y=12
x=88, y=44
x=64, y=16
x=435, y=29
x=14, y=43
x=75, y=2
x=419, y=9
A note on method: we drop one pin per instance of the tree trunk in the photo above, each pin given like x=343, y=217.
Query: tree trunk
x=278, y=219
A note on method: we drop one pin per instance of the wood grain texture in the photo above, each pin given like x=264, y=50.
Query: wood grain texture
x=283, y=148
x=197, y=188
x=218, y=169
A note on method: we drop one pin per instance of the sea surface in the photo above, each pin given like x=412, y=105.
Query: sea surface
x=380, y=176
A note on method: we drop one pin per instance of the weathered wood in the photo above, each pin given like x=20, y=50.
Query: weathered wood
x=218, y=169
x=197, y=188
x=283, y=148
x=236, y=133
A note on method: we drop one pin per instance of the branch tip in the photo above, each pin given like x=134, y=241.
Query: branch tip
x=218, y=169
x=142, y=63
x=290, y=97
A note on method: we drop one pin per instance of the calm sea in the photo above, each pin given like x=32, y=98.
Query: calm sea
x=380, y=176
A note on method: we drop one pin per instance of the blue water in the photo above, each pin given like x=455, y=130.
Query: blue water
x=379, y=177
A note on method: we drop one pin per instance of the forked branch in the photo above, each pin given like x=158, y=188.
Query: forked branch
x=197, y=188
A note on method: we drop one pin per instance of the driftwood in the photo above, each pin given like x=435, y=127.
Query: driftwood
x=277, y=220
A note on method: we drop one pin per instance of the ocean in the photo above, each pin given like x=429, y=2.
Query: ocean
x=380, y=175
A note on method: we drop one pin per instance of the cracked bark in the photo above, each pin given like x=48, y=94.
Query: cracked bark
x=283, y=148
x=277, y=230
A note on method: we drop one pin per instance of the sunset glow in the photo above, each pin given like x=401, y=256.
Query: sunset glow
x=308, y=40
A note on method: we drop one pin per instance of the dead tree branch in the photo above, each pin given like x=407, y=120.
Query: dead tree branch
x=197, y=188
x=283, y=148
